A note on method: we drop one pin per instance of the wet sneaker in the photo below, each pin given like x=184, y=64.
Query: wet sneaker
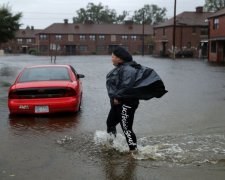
x=112, y=131
x=112, y=135
x=134, y=153
x=111, y=138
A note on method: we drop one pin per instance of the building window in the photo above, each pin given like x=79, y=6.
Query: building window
x=82, y=37
x=20, y=41
x=134, y=38
x=124, y=37
x=92, y=37
x=213, y=46
x=29, y=40
x=54, y=47
x=101, y=37
x=204, y=31
x=70, y=37
x=43, y=48
x=101, y=48
x=43, y=37
x=83, y=48
x=216, y=23
x=113, y=38
x=58, y=37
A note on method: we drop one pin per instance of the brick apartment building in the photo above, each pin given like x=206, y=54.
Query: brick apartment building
x=191, y=35
x=217, y=36
x=25, y=41
x=89, y=38
x=82, y=39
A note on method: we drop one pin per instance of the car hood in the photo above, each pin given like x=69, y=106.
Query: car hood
x=45, y=84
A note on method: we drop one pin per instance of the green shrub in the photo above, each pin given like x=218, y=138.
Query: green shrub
x=33, y=51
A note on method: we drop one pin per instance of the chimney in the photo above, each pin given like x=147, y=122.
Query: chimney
x=199, y=9
x=76, y=27
x=65, y=21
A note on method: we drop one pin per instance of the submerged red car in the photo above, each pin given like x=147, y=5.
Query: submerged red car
x=46, y=89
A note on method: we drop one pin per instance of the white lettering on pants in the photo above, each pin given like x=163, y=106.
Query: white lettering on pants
x=124, y=124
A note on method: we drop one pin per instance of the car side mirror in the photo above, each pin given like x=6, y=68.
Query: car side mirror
x=80, y=76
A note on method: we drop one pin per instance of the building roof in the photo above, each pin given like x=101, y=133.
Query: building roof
x=221, y=12
x=27, y=33
x=69, y=28
x=187, y=19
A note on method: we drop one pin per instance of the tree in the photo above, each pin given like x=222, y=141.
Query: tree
x=9, y=23
x=150, y=14
x=214, y=5
x=98, y=14
x=120, y=18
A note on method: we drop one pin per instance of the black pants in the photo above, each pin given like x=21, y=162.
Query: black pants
x=123, y=114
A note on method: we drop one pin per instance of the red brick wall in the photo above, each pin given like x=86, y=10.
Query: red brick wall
x=134, y=46
x=215, y=34
x=15, y=47
x=184, y=36
x=212, y=57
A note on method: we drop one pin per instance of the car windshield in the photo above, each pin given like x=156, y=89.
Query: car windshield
x=44, y=74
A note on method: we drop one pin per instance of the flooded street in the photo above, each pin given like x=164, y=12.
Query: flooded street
x=180, y=136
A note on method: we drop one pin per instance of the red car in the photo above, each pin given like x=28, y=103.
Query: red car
x=46, y=89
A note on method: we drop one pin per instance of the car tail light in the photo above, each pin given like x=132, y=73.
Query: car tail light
x=69, y=92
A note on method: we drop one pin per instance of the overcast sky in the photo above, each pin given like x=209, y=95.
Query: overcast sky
x=42, y=13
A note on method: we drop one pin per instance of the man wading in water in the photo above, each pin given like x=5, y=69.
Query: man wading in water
x=125, y=88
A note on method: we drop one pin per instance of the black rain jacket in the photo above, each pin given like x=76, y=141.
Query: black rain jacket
x=134, y=81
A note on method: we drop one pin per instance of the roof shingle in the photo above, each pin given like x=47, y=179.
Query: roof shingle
x=188, y=19
x=62, y=28
x=27, y=33
x=221, y=12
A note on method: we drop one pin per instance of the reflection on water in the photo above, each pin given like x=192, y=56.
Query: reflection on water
x=43, y=124
x=7, y=71
x=121, y=167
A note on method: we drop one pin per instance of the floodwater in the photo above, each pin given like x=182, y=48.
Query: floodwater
x=180, y=136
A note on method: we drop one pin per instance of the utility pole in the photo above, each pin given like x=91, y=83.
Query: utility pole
x=174, y=29
x=143, y=33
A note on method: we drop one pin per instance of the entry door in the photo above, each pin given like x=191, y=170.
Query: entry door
x=223, y=51
x=24, y=49
x=220, y=52
x=70, y=49
x=164, y=45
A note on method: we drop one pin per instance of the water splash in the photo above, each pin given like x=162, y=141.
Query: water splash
x=118, y=143
x=181, y=149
